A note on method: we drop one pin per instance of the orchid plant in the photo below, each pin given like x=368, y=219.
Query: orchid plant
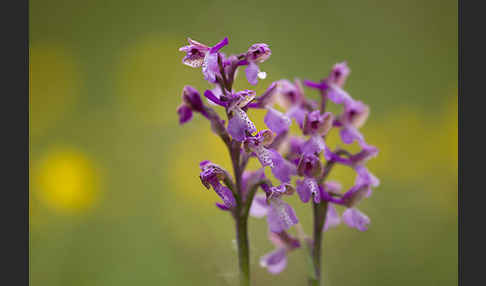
x=286, y=155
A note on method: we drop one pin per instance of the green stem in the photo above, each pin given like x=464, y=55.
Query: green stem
x=319, y=213
x=243, y=250
x=241, y=218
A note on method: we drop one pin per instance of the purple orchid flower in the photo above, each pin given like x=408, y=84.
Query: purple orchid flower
x=309, y=165
x=191, y=102
x=257, y=53
x=339, y=74
x=280, y=215
x=354, y=116
x=239, y=126
x=276, y=261
x=289, y=94
x=356, y=219
x=258, y=143
x=317, y=123
x=211, y=175
x=200, y=55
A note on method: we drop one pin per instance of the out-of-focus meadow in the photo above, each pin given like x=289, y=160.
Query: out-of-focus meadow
x=115, y=197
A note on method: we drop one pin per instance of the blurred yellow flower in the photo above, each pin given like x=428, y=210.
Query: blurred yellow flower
x=67, y=181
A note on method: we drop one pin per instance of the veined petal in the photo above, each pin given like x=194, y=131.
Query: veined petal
x=239, y=124
x=356, y=219
x=194, y=60
x=210, y=67
x=303, y=191
x=275, y=261
x=332, y=218
x=308, y=187
x=281, y=216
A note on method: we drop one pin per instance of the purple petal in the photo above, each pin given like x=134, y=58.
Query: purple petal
x=185, y=113
x=303, y=191
x=252, y=71
x=219, y=45
x=259, y=207
x=298, y=113
x=275, y=261
x=276, y=121
x=332, y=218
x=213, y=98
x=356, y=219
x=337, y=95
x=349, y=134
x=282, y=169
x=314, y=145
x=308, y=187
x=226, y=195
x=222, y=207
x=281, y=216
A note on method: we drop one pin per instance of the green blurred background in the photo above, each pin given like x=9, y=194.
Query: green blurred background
x=115, y=197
